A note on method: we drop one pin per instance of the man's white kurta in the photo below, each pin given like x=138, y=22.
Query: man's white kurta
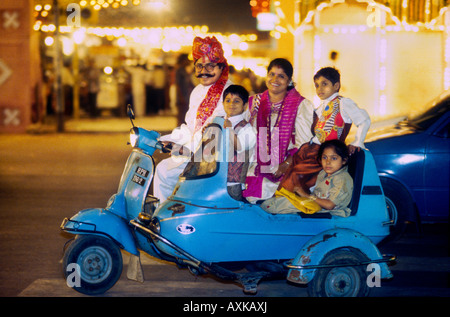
x=168, y=170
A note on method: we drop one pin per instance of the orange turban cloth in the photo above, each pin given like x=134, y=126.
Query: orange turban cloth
x=210, y=47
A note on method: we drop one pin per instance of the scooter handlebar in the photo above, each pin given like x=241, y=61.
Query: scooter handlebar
x=164, y=147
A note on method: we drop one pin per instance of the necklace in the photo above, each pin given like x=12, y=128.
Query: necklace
x=275, y=108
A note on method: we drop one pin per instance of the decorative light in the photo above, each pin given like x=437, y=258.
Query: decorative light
x=243, y=46
x=37, y=25
x=122, y=42
x=383, y=50
x=259, y=6
x=382, y=79
x=79, y=35
x=108, y=70
x=317, y=52
x=405, y=4
x=49, y=40
x=382, y=105
x=67, y=46
x=266, y=21
x=446, y=78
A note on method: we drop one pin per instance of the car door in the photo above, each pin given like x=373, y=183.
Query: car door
x=436, y=171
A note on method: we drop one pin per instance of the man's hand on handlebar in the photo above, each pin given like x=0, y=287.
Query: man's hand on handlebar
x=173, y=148
x=166, y=146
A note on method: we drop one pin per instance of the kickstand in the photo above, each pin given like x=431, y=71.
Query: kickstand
x=135, y=271
x=250, y=281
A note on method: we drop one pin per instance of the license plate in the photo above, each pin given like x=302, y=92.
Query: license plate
x=138, y=180
x=142, y=171
x=139, y=175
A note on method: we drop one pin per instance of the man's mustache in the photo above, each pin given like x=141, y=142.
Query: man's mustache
x=204, y=75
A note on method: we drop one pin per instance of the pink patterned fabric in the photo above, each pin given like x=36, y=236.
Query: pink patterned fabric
x=273, y=149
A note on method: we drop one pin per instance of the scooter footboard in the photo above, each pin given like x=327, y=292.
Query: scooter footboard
x=101, y=222
x=303, y=267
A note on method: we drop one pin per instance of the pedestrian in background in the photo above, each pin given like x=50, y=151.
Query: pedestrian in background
x=184, y=86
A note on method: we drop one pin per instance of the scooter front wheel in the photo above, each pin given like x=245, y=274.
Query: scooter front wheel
x=92, y=264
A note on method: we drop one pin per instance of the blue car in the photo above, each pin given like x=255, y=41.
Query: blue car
x=412, y=160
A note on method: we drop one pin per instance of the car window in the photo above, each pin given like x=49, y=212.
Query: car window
x=424, y=120
x=204, y=162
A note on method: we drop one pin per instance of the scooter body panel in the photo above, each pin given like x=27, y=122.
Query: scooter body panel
x=133, y=187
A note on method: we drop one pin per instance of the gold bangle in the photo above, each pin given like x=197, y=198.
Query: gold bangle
x=312, y=197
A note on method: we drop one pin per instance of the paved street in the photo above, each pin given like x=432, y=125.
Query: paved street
x=47, y=177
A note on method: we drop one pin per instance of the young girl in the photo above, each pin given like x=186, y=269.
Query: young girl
x=333, y=189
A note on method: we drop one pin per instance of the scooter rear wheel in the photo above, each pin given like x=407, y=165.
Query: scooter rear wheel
x=340, y=281
x=92, y=264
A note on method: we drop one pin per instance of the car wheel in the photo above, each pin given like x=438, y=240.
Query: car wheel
x=92, y=264
x=399, y=205
x=340, y=281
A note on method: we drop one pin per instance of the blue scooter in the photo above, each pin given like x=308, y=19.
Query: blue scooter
x=203, y=228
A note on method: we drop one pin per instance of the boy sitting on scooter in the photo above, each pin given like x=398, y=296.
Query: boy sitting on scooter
x=242, y=138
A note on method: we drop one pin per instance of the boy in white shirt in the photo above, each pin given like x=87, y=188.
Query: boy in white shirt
x=329, y=126
x=235, y=100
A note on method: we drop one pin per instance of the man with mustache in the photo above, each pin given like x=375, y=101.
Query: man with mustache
x=205, y=103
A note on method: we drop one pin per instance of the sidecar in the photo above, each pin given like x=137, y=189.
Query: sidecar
x=203, y=228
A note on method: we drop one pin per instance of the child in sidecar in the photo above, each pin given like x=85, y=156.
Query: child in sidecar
x=242, y=138
x=332, y=191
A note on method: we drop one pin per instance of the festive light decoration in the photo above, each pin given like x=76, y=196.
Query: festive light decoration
x=167, y=39
x=410, y=16
x=259, y=6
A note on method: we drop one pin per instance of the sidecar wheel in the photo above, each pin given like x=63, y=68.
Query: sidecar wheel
x=98, y=264
x=340, y=281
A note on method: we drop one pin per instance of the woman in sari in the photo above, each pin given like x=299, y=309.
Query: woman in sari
x=282, y=119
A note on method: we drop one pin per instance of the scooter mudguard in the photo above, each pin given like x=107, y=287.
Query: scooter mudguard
x=318, y=246
x=102, y=222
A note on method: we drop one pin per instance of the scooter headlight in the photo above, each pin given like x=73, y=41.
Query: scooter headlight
x=154, y=225
x=134, y=137
x=144, y=139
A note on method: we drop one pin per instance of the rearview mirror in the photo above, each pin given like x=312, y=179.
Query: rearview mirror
x=130, y=112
